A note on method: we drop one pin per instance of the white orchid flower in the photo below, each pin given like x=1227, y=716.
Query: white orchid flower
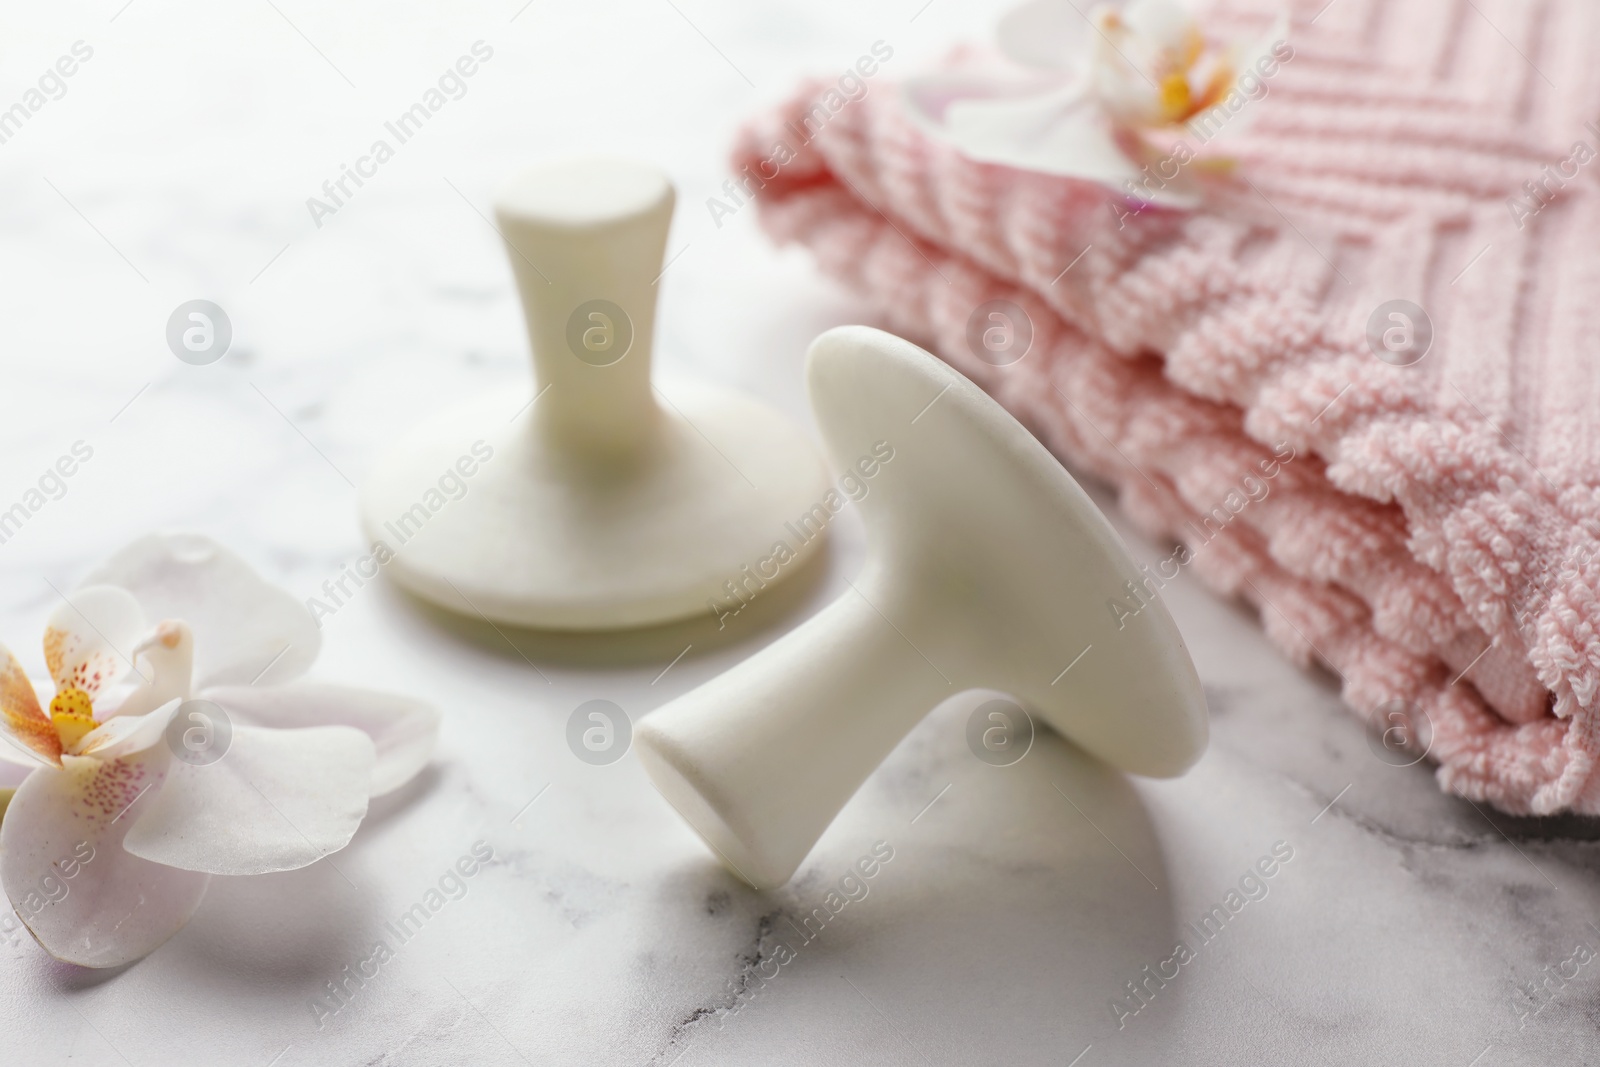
x=133, y=799
x=1117, y=91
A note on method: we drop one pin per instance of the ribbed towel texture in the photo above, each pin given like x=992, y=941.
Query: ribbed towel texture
x=1435, y=538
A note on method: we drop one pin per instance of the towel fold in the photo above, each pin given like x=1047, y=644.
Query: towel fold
x=1431, y=532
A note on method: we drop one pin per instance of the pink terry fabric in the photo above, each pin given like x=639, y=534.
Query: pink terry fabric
x=1434, y=540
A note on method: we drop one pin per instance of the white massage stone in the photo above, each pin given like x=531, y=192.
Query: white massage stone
x=606, y=503
x=988, y=567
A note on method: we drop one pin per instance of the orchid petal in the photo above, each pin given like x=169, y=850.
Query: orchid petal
x=1055, y=134
x=63, y=867
x=88, y=639
x=403, y=731
x=1059, y=133
x=276, y=800
x=1044, y=34
x=25, y=730
x=123, y=735
x=246, y=630
x=1164, y=26
x=14, y=752
x=926, y=99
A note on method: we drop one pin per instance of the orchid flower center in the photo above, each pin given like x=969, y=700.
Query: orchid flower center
x=169, y=654
x=1175, y=95
x=1189, y=73
x=72, y=714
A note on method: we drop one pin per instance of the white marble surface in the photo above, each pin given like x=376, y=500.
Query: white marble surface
x=1404, y=929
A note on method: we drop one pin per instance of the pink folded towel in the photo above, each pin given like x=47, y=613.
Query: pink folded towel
x=1432, y=535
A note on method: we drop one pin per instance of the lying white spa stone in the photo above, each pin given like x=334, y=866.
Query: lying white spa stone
x=987, y=567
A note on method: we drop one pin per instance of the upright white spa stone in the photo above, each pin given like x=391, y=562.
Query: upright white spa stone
x=595, y=501
x=988, y=567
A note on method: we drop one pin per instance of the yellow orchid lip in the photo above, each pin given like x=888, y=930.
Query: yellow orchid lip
x=1175, y=97
x=72, y=714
